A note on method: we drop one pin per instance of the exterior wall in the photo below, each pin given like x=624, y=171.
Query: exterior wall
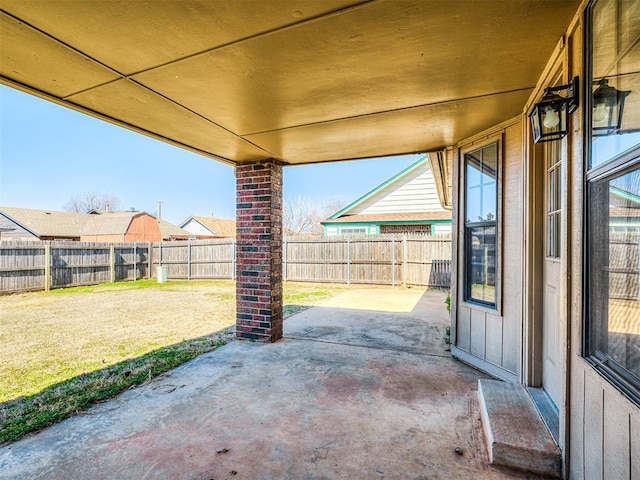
x=115, y=238
x=195, y=227
x=599, y=425
x=339, y=229
x=441, y=228
x=259, y=251
x=143, y=228
x=437, y=227
x=16, y=232
x=414, y=193
x=492, y=339
x=603, y=425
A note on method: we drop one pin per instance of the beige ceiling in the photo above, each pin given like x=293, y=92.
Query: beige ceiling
x=298, y=80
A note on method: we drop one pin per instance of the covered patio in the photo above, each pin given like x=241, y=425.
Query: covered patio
x=266, y=85
x=348, y=393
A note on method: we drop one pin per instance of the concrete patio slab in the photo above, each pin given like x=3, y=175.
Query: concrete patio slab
x=418, y=324
x=297, y=409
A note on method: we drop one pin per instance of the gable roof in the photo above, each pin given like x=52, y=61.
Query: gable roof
x=414, y=166
x=623, y=198
x=47, y=223
x=409, y=196
x=219, y=227
x=114, y=223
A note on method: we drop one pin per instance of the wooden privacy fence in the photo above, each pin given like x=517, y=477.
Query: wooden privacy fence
x=44, y=265
x=624, y=266
x=379, y=259
x=199, y=259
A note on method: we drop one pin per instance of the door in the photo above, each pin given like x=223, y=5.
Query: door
x=552, y=291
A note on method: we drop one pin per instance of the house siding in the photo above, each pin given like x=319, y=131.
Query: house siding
x=492, y=339
x=414, y=193
x=196, y=228
x=603, y=424
x=143, y=228
x=18, y=233
x=599, y=425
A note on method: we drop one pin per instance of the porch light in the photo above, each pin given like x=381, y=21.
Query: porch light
x=608, y=104
x=549, y=116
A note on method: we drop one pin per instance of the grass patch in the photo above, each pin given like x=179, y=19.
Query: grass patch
x=57, y=402
x=66, y=349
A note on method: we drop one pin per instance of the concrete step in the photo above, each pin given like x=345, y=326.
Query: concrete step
x=515, y=433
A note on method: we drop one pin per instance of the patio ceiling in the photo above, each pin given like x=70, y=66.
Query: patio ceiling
x=296, y=80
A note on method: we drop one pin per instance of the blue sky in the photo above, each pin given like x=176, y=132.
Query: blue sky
x=49, y=154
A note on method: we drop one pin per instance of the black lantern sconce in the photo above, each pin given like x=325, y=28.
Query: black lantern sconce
x=549, y=118
x=608, y=105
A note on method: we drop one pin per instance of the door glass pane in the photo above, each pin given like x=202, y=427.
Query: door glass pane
x=553, y=186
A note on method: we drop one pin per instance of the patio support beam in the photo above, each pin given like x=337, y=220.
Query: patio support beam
x=259, y=251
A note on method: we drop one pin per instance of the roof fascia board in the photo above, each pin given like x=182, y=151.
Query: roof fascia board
x=382, y=186
x=625, y=195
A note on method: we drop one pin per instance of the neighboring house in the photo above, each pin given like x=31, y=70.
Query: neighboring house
x=171, y=232
x=209, y=227
x=28, y=224
x=409, y=202
x=624, y=211
x=121, y=227
x=168, y=231
x=25, y=224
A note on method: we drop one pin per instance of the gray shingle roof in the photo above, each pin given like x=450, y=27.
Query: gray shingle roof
x=48, y=223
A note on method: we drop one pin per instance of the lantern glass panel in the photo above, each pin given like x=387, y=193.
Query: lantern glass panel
x=549, y=119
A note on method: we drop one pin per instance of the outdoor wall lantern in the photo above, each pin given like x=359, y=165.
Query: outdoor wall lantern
x=608, y=104
x=549, y=116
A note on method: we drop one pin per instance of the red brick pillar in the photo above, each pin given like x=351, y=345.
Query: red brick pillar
x=259, y=251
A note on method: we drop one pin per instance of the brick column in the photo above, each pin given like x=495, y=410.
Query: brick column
x=259, y=251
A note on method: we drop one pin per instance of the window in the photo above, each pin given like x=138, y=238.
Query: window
x=353, y=231
x=418, y=229
x=612, y=266
x=554, y=199
x=480, y=225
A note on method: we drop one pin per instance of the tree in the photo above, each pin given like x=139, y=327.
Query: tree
x=86, y=201
x=302, y=215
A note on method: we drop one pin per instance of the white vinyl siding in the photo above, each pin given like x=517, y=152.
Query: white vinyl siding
x=196, y=228
x=416, y=192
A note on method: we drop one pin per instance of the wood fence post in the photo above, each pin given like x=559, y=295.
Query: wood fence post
x=404, y=260
x=112, y=264
x=393, y=260
x=135, y=261
x=233, y=259
x=284, y=258
x=188, y=259
x=348, y=261
x=47, y=267
x=149, y=254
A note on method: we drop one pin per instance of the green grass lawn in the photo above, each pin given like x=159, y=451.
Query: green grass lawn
x=66, y=349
